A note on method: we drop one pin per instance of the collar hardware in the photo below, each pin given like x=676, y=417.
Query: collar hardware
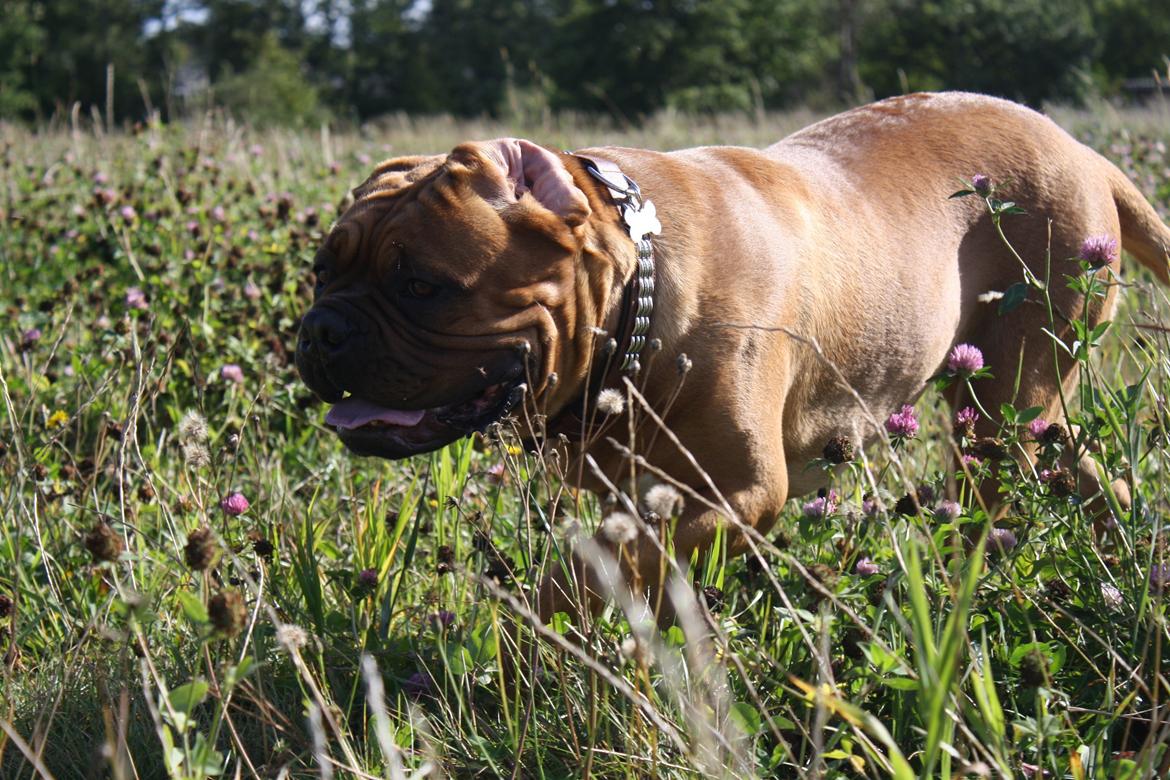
x=641, y=220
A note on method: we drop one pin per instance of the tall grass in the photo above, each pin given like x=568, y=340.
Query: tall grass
x=371, y=619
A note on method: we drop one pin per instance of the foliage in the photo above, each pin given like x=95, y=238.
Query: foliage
x=356, y=609
x=622, y=58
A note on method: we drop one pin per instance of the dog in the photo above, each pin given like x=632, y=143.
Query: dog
x=814, y=287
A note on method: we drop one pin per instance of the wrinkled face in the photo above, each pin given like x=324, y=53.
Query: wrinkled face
x=443, y=296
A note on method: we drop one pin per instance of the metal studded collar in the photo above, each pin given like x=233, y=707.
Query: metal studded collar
x=641, y=221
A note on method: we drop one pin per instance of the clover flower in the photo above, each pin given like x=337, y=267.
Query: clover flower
x=1159, y=577
x=838, y=450
x=1037, y=427
x=231, y=372
x=234, y=504
x=822, y=506
x=947, y=511
x=1111, y=596
x=202, y=550
x=128, y=213
x=227, y=612
x=136, y=299
x=981, y=183
x=866, y=568
x=965, y=420
x=903, y=424
x=1099, y=251
x=1001, y=540
x=964, y=360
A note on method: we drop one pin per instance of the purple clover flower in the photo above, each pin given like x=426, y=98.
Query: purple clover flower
x=234, y=504
x=966, y=417
x=136, y=299
x=1099, y=251
x=417, y=685
x=1037, y=427
x=30, y=337
x=981, y=183
x=866, y=568
x=252, y=290
x=441, y=619
x=947, y=511
x=367, y=580
x=964, y=360
x=231, y=372
x=903, y=424
x=1160, y=577
x=822, y=506
x=128, y=213
x=1001, y=540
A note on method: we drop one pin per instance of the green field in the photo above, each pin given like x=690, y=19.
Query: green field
x=347, y=623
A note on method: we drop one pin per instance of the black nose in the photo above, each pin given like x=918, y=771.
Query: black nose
x=324, y=331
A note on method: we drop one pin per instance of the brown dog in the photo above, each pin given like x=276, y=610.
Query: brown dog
x=452, y=279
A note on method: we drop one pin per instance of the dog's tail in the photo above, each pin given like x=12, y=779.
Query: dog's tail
x=1143, y=234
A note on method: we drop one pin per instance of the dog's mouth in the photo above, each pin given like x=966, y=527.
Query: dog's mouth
x=369, y=428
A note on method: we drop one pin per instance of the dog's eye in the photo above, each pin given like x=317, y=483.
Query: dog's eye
x=417, y=288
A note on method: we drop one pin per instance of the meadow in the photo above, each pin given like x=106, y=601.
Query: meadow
x=197, y=580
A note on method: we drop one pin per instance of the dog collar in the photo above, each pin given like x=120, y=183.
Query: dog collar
x=641, y=220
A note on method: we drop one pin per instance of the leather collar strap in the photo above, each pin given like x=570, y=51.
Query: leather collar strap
x=637, y=304
x=641, y=220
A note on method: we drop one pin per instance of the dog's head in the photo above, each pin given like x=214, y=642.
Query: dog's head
x=450, y=284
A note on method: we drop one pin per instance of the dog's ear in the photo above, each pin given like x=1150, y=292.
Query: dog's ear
x=524, y=167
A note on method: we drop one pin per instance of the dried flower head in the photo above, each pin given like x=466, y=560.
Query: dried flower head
x=367, y=582
x=1099, y=251
x=1061, y=483
x=228, y=612
x=202, y=550
x=619, y=528
x=234, y=504
x=964, y=360
x=103, y=542
x=6, y=606
x=193, y=427
x=664, y=500
x=838, y=450
x=903, y=424
x=610, y=401
x=713, y=598
x=1053, y=434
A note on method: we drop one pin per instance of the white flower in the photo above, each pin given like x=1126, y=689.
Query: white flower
x=620, y=528
x=610, y=401
x=664, y=500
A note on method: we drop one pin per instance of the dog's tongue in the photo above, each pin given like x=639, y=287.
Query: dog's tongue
x=354, y=413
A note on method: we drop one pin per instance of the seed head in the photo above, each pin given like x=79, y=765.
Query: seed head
x=103, y=543
x=192, y=428
x=610, y=402
x=202, y=550
x=1061, y=483
x=620, y=528
x=291, y=637
x=1033, y=669
x=664, y=500
x=838, y=450
x=683, y=364
x=227, y=612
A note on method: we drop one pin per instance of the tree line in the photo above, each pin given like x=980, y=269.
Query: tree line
x=288, y=61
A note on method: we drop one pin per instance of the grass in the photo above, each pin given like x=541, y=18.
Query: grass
x=348, y=623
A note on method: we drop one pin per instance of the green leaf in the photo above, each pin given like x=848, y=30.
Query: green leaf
x=1013, y=297
x=193, y=608
x=187, y=697
x=1028, y=415
x=746, y=717
x=560, y=623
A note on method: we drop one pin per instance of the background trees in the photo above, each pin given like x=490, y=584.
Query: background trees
x=292, y=60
